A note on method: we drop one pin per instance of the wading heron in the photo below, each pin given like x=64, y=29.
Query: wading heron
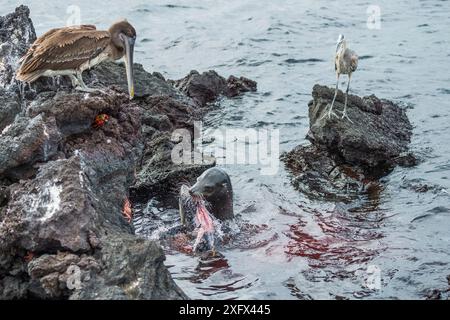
x=345, y=62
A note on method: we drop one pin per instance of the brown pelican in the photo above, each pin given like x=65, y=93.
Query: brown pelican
x=71, y=50
x=345, y=62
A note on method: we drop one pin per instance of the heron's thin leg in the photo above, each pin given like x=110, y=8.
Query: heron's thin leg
x=344, y=113
x=330, y=111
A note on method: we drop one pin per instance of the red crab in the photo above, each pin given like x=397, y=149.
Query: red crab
x=127, y=211
x=100, y=120
x=29, y=256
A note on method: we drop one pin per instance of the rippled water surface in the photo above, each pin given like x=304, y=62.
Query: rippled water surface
x=321, y=250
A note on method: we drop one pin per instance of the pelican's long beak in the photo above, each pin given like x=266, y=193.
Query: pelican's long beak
x=129, y=50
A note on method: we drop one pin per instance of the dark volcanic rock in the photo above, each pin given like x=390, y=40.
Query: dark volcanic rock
x=9, y=108
x=317, y=175
x=158, y=173
x=16, y=35
x=133, y=269
x=25, y=142
x=129, y=268
x=347, y=158
x=64, y=181
x=208, y=86
x=54, y=211
x=236, y=86
x=161, y=116
x=113, y=74
x=380, y=131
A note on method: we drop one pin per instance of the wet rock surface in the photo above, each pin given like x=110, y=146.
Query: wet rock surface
x=64, y=181
x=146, y=84
x=9, y=108
x=346, y=158
x=16, y=35
x=208, y=86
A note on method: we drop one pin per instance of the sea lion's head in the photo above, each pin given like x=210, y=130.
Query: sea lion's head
x=214, y=185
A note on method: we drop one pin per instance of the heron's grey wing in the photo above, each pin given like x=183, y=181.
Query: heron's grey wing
x=351, y=59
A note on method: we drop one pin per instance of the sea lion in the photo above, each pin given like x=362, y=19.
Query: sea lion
x=214, y=185
x=209, y=199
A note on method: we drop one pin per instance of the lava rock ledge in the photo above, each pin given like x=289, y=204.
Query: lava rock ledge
x=347, y=158
x=64, y=182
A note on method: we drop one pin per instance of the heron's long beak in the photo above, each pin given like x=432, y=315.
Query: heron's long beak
x=339, y=42
x=129, y=50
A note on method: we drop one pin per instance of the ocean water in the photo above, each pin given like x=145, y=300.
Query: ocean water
x=395, y=244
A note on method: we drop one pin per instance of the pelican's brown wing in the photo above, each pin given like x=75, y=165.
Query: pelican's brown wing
x=46, y=36
x=62, y=49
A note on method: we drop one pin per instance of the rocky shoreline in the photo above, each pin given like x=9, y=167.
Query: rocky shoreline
x=63, y=182
x=345, y=159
